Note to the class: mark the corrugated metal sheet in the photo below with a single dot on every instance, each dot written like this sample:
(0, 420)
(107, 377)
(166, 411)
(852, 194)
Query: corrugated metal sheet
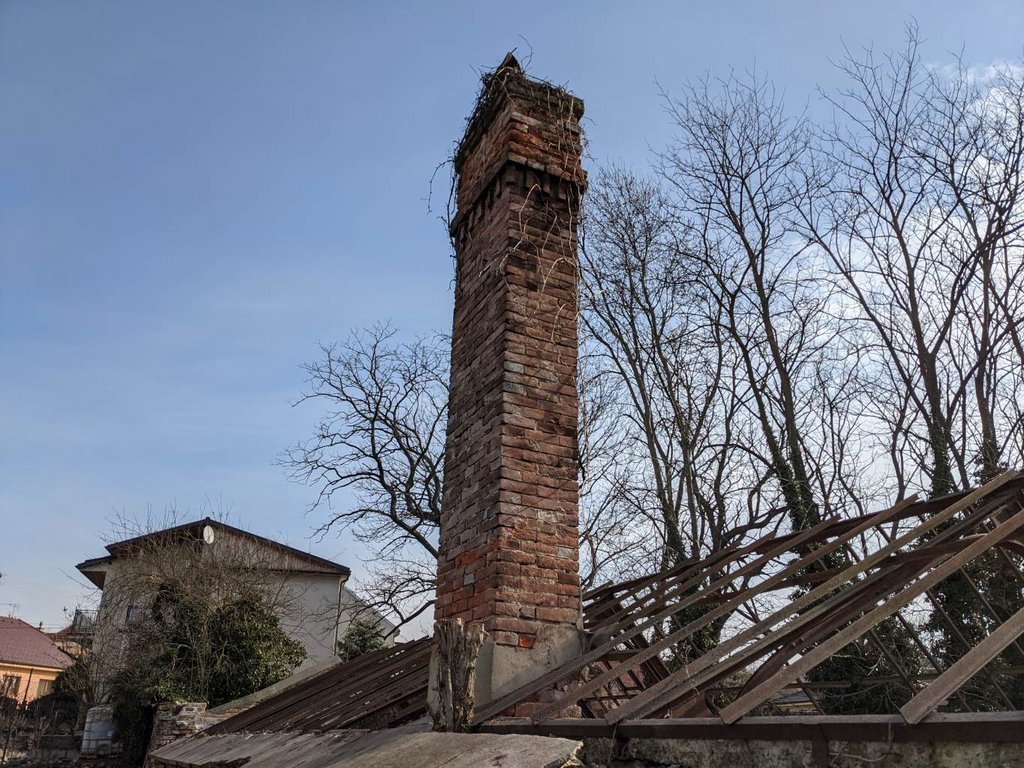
(377, 690)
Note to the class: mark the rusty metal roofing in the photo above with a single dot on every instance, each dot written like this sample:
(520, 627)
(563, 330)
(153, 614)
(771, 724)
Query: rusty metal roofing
(376, 690)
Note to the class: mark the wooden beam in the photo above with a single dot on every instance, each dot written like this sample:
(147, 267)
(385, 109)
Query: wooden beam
(567, 670)
(840, 640)
(651, 700)
(915, 710)
(587, 687)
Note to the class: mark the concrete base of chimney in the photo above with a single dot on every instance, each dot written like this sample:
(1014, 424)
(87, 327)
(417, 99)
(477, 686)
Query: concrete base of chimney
(501, 669)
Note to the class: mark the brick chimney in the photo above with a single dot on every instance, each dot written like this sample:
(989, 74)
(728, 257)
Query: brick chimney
(509, 543)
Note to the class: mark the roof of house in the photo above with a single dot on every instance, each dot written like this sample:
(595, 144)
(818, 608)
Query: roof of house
(21, 643)
(194, 530)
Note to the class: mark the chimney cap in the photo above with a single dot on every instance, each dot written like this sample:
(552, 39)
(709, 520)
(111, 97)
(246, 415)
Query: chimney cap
(509, 81)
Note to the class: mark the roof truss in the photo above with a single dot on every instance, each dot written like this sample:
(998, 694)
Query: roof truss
(792, 603)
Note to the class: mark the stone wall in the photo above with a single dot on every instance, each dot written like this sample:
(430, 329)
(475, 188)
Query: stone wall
(680, 753)
(178, 720)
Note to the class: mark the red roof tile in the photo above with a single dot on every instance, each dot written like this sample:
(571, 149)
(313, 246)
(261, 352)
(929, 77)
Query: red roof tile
(21, 643)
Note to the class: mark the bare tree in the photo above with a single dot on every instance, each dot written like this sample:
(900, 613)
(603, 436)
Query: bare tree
(737, 169)
(377, 456)
(613, 545)
(381, 445)
(974, 142)
(917, 208)
(644, 316)
(787, 322)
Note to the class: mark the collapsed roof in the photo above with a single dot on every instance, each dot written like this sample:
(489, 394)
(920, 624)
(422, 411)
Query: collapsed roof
(789, 603)
(792, 603)
(382, 689)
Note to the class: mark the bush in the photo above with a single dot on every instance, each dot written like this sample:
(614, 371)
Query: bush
(362, 636)
(196, 649)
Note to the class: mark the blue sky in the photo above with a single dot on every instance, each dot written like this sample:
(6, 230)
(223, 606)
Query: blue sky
(194, 194)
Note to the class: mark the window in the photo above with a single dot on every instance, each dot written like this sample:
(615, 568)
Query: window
(135, 615)
(10, 685)
(44, 688)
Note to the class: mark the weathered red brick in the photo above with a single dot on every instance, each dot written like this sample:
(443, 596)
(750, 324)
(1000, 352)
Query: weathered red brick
(510, 522)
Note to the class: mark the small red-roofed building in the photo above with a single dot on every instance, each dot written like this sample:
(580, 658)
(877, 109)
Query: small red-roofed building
(30, 662)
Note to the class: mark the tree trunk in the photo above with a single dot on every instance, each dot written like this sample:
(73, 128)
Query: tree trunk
(455, 651)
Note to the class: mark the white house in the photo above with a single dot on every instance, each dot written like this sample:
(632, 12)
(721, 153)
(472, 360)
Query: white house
(311, 599)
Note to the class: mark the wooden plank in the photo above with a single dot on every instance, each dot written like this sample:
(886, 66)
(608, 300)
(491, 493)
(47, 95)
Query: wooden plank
(676, 583)
(631, 630)
(832, 614)
(841, 639)
(915, 710)
(392, 670)
(317, 707)
(694, 675)
(920, 509)
(845, 607)
(968, 727)
(341, 709)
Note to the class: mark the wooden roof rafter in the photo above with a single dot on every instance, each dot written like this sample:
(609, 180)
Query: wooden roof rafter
(916, 546)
